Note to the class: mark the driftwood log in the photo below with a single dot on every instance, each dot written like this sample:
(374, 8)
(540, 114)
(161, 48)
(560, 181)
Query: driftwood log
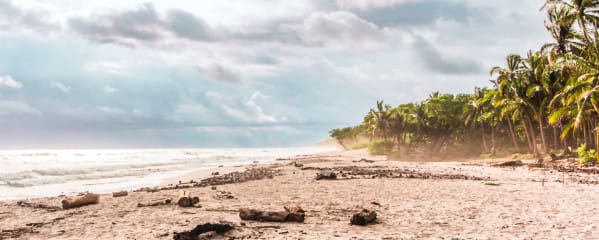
(186, 200)
(515, 163)
(120, 194)
(194, 234)
(263, 216)
(37, 206)
(363, 218)
(292, 213)
(326, 175)
(74, 202)
(155, 203)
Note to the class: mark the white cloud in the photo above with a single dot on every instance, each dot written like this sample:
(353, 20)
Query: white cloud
(248, 111)
(257, 110)
(338, 29)
(61, 87)
(109, 89)
(110, 110)
(8, 81)
(107, 67)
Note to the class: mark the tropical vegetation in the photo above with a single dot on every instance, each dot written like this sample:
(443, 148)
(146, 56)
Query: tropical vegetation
(545, 102)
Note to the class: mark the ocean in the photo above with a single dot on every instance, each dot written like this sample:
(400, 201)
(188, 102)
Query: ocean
(42, 173)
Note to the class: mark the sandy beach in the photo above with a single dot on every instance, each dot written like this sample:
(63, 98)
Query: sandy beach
(413, 200)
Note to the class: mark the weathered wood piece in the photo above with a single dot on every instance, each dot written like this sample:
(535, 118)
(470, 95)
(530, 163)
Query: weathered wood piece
(292, 213)
(515, 163)
(263, 216)
(363, 218)
(224, 195)
(326, 175)
(194, 234)
(155, 203)
(120, 194)
(75, 202)
(296, 213)
(37, 206)
(186, 200)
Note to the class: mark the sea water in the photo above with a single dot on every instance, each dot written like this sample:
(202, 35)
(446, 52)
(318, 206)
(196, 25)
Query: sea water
(41, 173)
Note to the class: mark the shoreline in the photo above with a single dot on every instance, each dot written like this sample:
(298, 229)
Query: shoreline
(108, 170)
(413, 200)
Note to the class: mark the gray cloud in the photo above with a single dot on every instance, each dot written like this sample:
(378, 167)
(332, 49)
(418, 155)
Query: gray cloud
(15, 17)
(417, 13)
(431, 59)
(145, 24)
(187, 25)
(368, 4)
(218, 72)
(141, 25)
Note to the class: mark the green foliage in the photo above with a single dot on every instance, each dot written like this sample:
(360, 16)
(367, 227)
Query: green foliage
(359, 145)
(586, 156)
(381, 147)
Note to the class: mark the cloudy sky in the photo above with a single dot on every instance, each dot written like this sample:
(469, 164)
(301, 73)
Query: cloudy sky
(113, 73)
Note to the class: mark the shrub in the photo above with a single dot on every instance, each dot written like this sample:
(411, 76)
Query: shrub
(359, 145)
(381, 147)
(586, 156)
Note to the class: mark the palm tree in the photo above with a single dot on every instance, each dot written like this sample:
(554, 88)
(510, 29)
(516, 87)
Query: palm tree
(380, 118)
(584, 11)
(512, 94)
(475, 113)
(560, 25)
(538, 90)
(397, 125)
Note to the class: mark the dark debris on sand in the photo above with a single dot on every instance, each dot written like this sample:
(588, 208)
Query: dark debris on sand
(251, 174)
(353, 172)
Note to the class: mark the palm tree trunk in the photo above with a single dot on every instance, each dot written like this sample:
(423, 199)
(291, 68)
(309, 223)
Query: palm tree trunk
(482, 130)
(596, 144)
(493, 148)
(528, 137)
(584, 134)
(556, 145)
(542, 132)
(533, 136)
(342, 145)
(510, 125)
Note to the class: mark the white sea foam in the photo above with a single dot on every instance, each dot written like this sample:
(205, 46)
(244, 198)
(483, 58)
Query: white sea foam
(37, 173)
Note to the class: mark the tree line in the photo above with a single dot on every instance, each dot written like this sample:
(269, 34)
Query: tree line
(544, 102)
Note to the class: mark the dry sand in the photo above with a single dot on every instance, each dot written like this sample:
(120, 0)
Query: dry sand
(424, 203)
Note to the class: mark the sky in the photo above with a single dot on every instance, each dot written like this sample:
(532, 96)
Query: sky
(237, 73)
